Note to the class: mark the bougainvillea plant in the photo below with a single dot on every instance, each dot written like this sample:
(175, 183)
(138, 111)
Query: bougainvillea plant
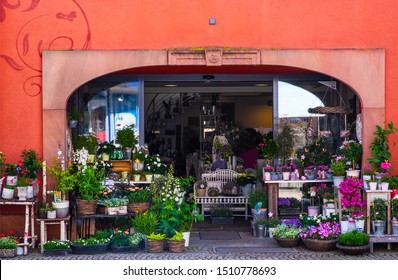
(351, 198)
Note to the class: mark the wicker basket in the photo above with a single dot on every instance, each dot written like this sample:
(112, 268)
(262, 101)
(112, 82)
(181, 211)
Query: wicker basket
(287, 242)
(329, 110)
(155, 246)
(137, 207)
(176, 246)
(320, 245)
(86, 207)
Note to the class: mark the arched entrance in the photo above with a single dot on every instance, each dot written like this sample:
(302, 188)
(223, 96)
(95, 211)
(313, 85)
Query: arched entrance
(63, 72)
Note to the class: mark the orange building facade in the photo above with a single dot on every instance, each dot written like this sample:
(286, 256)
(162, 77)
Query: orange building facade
(49, 48)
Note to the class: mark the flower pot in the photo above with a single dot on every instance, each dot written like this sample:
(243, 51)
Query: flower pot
(22, 193)
(313, 210)
(394, 226)
(337, 180)
(62, 208)
(117, 210)
(90, 158)
(105, 157)
(135, 207)
(378, 227)
(260, 230)
(353, 250)
(271, 232)
(287, 242)
(12, 180)
(138, 165)
(353, 173)
(274, 177)
(176, 246)
(320, 245)
(29, 194)
(155, 246)
(127, 153)
(86, 207)
(42, 213)
(344, 226)
(201, 192)
(186, 235)
(267, 176)
(286, 176)
(310, 176)
(51, 214)
(384, 186)
(7, 193)
(360, 225)
(351, 226)
(372, 186)
(365, 179)
(8, 253)
(329, 176)
(137, 177)
(149, 177)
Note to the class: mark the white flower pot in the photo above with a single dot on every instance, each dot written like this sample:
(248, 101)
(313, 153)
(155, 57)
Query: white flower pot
(313, 210)
(344, 226)
(186, 235)
(7, 193)
(365, 179)
(12, 180)
(360, 225)
(384, 186)
(62, 208)
(149, 177)
(372, 186)
(22, 193)
(30, 192)
(271, 232)
(286, 176)
(337, 180)
(267, 176)
(51, 214)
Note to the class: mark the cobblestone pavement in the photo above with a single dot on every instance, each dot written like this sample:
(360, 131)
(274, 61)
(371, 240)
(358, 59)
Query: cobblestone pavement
(246, 248)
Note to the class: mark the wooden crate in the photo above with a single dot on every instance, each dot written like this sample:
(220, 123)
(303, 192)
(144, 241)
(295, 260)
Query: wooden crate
(122, 165)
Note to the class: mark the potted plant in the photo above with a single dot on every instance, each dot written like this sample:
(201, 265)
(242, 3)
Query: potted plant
(88, 141)
(176, 243)
(322, 237)
(188, 213)
(271, 224)
(127, 139)
(351, 197)
(352, 151)
(145, 222)
(286, 235)
(267, 170)
(288, 205)
(139, 200)
(12, 171)
(285, 141)
(31, 163)
(8, 192)
(384, 182)
(90, 245)
(51, 212)
(258, 201)
(309, 172)
(73, 118)
(154, 164)
(353, 242)
(286, 169)
(124, 242)
(268, 148)
(221, 215)
(56, 247)
(156, 242)
(114, 205)
(139, 157)
(338, 168)
(22, 186)
(260, 226)
(8, 247)
(200, 188)
(367, 174)
(42, 214)
(105, 150)
(378, 215)
(394, 216)
(246, 181)
(372, 183)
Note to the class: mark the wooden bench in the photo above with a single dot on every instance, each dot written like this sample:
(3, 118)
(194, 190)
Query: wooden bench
(382, 239)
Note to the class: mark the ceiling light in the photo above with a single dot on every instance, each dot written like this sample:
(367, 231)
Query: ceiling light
(261, 85)
(170, 85)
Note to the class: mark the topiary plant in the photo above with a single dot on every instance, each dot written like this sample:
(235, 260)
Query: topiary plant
(354, 238)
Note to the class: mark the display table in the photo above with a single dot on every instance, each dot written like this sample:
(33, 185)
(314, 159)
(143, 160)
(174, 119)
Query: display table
(273, 192)
(369, 197)
(29, 221)
(207, 201)
(62, 222)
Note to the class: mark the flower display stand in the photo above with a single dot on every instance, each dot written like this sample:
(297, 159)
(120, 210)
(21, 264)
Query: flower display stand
(44, 223)
(370, 195)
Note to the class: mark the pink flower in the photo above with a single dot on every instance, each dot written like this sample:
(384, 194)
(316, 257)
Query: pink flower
(270, 214)
(385, 165)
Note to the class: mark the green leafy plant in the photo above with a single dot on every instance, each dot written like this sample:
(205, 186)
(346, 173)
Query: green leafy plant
(221, 212)
(285, 140)
(286, 231)
(338, 167)
(261, 221)
(378, 209)
(177, 237)
(89, 141)
(106, 147)
(67, 179)
(268, 147)
(57, 245)
(141, 195)
(121, 239)
(157, 236)
(126, 136)
(74, 115)
(23, 182)
(272, 222)
(11, 169)
(90, 183)
(8, 243)
(90, 241)
(394, 208)
(353, 238)
(189, 212)
(103, 234)
(114, 201)
(145, 223)
(32, 163)
(258, 196)
(352, 151)
(246, 178)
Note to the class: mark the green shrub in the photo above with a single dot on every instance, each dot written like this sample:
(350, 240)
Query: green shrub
(285, 231)
(56, 244)
(145, 223)
(103, 234)
(354, 238)
(140, 196)
(258, 196)
(157, 236)
(8, 243)
(261, 221)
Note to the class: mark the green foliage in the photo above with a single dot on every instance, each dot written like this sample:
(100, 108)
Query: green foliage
(90, 241)
(338, 167)
(272, 222)
(67, 179)
(11, 169)
(113, 202)
(8, 243)
(157, 236)
(126, 137)
(88, 141)
(177, 236)
(315, 152)
(378, 209)
(106, 147)
(56, 244)
(268, 147)
(142, 195)
(354, 238)
(285, 141)
(221, 212)
(103, 234)
(379, 146)
(258, 196)
(394, 208)
(90, 183)
(261, 221)
(246, 178)
(188, 214)
(121, 239)
(32, 163)
(74, 114)
(285, 231)
(145, 223)
(23, 182)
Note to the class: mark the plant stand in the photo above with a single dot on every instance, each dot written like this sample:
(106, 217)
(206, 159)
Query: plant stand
(62, 222)
(370, 195)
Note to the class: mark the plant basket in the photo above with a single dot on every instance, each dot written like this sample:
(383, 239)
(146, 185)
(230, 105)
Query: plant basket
(329, 110)
(137, 207)
(176, 246)
(89, 249)
(8, 253)
(320, 245)
(287, 242)
(56, 252)
(86, 207)
(155, 246)
(353, 250)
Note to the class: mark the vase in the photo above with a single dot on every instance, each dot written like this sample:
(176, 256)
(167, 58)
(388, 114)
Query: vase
(260, 230)
(286, 176)
(149, 177)
(62, 208)
(22, 193)
(7, 193)
(360, 225)
(394, 226)
(384, 186)
(337, 180)
(313, 211)
(378, 227)
(353, 173)
(372, 186)
(267, 176)
(344, 226)
(287, 242)
(365, 179)
(320, 245)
